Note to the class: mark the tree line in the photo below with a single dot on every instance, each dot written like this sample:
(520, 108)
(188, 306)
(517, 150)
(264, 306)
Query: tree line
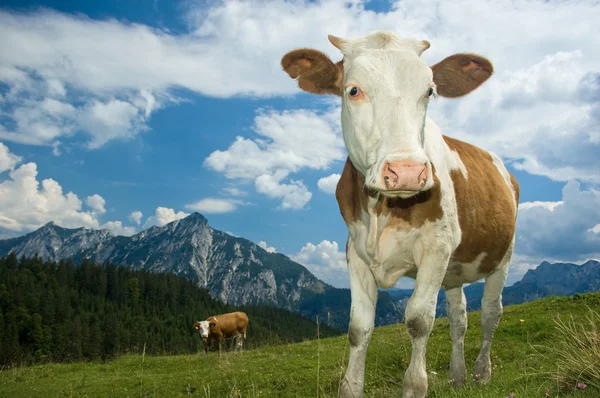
(61, 312)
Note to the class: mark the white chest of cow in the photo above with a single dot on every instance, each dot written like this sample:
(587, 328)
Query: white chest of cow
(394, 249)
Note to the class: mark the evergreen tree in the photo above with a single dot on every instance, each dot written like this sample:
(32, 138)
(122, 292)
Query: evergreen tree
(60, 312)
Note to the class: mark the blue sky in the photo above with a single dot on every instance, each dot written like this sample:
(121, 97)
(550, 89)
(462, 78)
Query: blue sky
(164, 108)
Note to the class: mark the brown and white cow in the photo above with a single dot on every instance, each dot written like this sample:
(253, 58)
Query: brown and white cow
(416, 203)
(218, 327)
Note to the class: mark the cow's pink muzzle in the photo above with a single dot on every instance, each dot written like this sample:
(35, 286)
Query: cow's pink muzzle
(404, 175)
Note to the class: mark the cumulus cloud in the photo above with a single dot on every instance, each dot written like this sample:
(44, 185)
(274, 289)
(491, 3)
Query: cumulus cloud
(136, 217)
(8, 160)
(117, 228)
(214, 205)
(27, 204)
(561, 230)
(325, 261)
(285, 142)
(538, 203)
(24, 205)
(268, 248)
(329, 184)
(164, 215)
(288, 140)
(96, 203)
(294, 195)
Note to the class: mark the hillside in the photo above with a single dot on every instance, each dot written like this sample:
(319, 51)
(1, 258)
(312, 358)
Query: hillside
(58, 312)
(313, 368)
(234, 270)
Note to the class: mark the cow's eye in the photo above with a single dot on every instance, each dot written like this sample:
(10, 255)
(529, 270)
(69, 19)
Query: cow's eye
(430, 92)
(354, 91)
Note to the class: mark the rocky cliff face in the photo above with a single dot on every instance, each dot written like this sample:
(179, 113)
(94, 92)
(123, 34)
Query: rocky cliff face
(233, 269)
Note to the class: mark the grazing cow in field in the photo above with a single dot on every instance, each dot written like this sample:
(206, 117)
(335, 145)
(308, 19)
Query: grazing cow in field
(232, 325)
(416, 203)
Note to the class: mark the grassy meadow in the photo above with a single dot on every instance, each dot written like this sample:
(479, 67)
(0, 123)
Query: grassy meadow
(532, 356)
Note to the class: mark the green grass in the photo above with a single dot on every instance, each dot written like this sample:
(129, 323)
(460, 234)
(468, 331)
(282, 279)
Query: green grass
(314, 368)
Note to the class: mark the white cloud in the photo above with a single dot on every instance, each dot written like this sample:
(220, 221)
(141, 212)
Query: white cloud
(268, 248)
(233, 191)
(214, 205)
(8, 160)
(329, 184)
(286, 142)
(136, 217)
(596, 229)
(294, 195)
(541, 107)
(547, 205)
(325, 261)
(164, 215)
(26, 204)
(560, 231)
(117, 228)
(96, 203)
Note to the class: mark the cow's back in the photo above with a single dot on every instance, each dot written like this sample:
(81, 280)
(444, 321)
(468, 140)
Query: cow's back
(232, 323)
(486, 203)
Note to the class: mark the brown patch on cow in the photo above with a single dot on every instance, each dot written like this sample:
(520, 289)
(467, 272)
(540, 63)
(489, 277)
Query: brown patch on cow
(350, 193)
(352, 197)
(486, 213)
(459, 74)
(315, 71)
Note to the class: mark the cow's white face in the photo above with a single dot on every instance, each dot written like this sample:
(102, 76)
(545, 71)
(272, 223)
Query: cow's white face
(385, 92)
(202, 327)
(385, 89)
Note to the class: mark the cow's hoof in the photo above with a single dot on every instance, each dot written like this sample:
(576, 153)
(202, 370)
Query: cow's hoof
(350, 389)
(482, 372)
(457, 379)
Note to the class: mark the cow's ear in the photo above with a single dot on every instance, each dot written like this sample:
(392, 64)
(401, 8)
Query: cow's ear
(459, 74)
(316, 73)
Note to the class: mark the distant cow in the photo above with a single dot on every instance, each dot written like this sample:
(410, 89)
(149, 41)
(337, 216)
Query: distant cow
(232, 325)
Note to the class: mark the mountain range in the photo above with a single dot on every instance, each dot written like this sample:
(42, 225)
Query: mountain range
(233, 269)
(548, 279)
(239, 272)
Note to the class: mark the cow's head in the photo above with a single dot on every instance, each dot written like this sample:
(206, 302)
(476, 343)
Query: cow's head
(202, 327)
(385, 88)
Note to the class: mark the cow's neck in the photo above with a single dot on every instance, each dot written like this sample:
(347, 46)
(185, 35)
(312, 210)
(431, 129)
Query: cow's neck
(377, 212)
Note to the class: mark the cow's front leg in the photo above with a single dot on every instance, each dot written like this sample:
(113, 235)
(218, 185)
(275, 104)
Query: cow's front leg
(362, 320)
(219, 340)
(420, 315)
(456, 308)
